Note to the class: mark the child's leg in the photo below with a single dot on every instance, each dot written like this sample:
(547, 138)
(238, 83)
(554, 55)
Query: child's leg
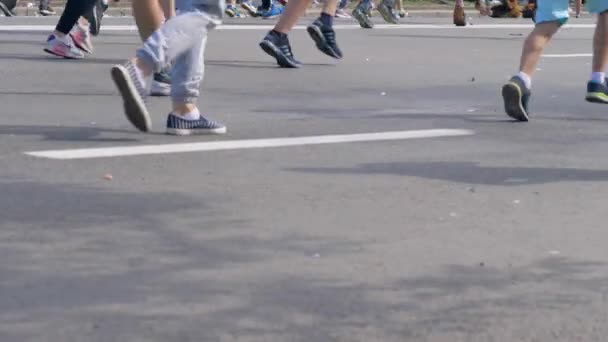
(600, 44)
(187, 75)
(551, 15)
(597, 89)
(179, 40)
(322, 32)
(168, 7)
(329, 7)
(293, 11)
(148, 16)
(516, 93)
(534, 46)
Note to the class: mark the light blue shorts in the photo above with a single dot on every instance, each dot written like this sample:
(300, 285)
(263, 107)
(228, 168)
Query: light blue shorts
(551, 10)
(557, 10)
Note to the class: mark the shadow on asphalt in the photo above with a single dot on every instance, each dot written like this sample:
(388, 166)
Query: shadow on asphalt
(43, 57)
(470, 173)
(58, 133)
(257, 64)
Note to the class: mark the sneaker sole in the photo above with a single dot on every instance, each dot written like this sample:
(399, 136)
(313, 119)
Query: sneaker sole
(134, 106)
(5, 10)
(596, 98)
(512, 95)
(62, 56)
(363, 22)
(387, 14)
(185, 132)
(273, 51)
(316, 35)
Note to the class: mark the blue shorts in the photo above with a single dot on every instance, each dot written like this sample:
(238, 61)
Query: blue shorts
(557, 10)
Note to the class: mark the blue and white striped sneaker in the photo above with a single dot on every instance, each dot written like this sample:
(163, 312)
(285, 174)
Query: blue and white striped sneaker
(179, 126)
(133, 91)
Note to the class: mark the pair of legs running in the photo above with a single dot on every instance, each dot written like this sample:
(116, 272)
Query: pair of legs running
(276, 42)
(178, 43)
(550, 16)
(81, 17)
(72, 35)
(385, 7)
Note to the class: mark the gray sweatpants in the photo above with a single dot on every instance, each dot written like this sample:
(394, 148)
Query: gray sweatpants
(180, 42)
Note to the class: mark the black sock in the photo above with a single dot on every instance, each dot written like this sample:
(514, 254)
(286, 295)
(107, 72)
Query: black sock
(282, 36)
(327, 20)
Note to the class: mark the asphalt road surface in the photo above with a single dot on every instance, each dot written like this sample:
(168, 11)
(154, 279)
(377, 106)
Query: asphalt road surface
(462, 226)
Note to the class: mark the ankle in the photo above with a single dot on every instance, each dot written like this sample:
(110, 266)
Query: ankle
(327, 19)
(183, 109)
(145, 69)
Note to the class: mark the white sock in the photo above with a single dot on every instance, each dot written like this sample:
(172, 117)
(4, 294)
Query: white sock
(524, 77)
(193, 115)
(598, 77)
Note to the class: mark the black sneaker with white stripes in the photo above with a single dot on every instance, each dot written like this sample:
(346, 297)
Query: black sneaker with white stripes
(279, 48)
(325, 38)
(179, 126)
(133, 91)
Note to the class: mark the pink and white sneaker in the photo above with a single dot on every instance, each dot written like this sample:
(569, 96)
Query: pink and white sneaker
(82, 38)
(62, 47)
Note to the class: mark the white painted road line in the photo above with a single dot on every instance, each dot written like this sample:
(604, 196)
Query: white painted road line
(568, 55)
(48, 28)
(105, 152)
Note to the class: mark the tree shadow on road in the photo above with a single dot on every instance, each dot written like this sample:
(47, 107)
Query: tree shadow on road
(514, 37)
(88, 264)
(470, 173)
(59, 133)
(51, 59)
(91, 264)
(59, 93)
(255, 64)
